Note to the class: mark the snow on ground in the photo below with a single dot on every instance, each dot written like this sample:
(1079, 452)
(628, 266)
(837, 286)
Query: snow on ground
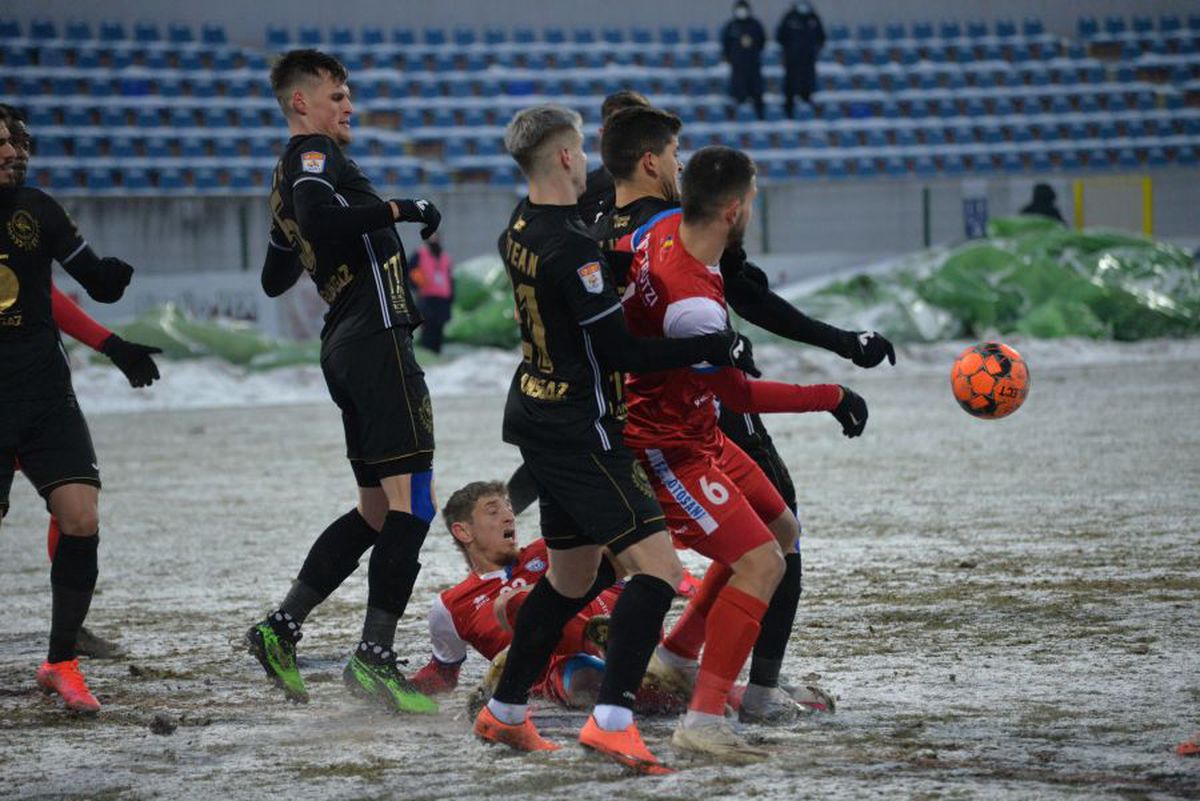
(1005, 609)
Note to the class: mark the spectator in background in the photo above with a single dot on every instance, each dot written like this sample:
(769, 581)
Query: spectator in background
(432, 279)
(1043, 203)
(742, 42)
(801, 35)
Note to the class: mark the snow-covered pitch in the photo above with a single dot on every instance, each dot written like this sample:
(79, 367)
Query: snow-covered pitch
(1005, 609)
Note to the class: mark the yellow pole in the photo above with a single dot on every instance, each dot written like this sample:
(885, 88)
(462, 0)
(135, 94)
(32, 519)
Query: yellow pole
(1078, 187)
(1147, 206)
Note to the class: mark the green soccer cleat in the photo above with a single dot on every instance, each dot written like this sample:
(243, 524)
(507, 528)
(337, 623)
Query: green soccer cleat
(277, 655)
(371, 674)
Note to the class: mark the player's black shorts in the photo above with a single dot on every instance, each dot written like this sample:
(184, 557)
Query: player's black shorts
(386, 410)
(593, 498)
(748, 433)
(50, 438)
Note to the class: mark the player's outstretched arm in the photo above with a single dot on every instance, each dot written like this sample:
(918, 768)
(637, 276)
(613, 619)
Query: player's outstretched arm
(618, 349)
(747, 291)
(131, 358)
(739, 394)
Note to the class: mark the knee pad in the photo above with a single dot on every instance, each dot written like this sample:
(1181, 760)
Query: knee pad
(423, 506)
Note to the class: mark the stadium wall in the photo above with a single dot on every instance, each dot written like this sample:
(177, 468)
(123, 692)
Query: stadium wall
(247, 22)
(858, 220)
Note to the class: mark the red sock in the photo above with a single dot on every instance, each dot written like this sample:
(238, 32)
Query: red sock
(687, 635)
(732, 629)
(52, 537)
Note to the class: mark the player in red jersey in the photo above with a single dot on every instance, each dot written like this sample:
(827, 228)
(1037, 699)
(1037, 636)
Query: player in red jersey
(478, 612)
(717, 500)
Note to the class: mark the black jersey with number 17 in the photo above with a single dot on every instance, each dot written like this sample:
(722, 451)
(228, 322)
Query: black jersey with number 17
(561, 396)
(363, 277)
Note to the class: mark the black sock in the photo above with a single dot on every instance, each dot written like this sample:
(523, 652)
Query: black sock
(72, 581)
(771, 645)
(537, 630)
(606, 576)
(331, 560)
(522, 489)
(392, 571)
(634, 630)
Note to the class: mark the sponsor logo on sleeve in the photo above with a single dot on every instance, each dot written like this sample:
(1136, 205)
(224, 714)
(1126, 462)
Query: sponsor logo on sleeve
(312, 161)
(592, 277)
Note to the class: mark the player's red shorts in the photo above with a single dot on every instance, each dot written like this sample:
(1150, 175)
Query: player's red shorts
(717, 505)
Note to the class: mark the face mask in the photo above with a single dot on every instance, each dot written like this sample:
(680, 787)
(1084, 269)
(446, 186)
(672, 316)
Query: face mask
(741, 12)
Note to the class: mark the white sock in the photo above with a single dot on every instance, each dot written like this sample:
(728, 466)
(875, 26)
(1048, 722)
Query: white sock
(512, 714)
(757, 696)
(675, 660)
(612, 718)
(694, 719)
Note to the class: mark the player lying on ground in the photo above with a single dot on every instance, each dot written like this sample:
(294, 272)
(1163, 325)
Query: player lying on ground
(42, 425)
(479, 611)
(132, 359)
(564, 412)
(717, 500)
(329, 221)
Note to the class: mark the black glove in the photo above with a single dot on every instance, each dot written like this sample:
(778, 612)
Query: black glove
(421, 211)
(731, 349)
(851, 413)
(132, 359)
(866, 348)
(107, 284)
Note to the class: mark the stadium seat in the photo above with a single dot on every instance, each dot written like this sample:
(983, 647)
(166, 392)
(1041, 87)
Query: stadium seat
(135, 179)
(554, 36)
(42, 30)
(1069, 160)
(977, 29)
(1088, 28)
(434, 37)
(1032, 26)
(99, 179)
(1187, 156)
(178, 33)
(206, 179)
(213, 33)
(403, 37)
(669, 36)
(113, 116)
(63, 178)
(10, 29)
(1006, 28)
(309, 36)
(112, 31)
(146, 32)
(171, 179)
(78, 31)
(157, 147)
(1114, 25)
(278, 37)
(698, 35)
(494, 36)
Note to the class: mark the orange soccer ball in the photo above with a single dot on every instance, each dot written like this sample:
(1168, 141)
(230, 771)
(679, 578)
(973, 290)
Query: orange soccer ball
(990, 380)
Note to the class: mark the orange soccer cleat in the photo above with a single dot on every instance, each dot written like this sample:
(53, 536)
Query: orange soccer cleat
(625, 747)
(522, 736)
(65, 679)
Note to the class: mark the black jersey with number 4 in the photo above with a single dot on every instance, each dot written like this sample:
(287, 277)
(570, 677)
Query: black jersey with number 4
(561, 396)
(362, 275)
(34, 231)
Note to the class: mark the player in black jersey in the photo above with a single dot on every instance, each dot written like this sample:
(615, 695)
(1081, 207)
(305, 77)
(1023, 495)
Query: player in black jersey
(329, 221)
(565, 413)
(597, 196)
(640, 151)
(41, 425)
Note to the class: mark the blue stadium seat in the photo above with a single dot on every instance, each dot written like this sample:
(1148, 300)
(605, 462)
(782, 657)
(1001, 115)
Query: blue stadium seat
(190, 61)
(867, 32)
(146, 32)
(341, 35)
(213, 33)
(895, 166)
(977, 29)
(641, 36)
(309, 36)
(837, 168)
(193, 147)
(524, 36)
(669, 36)
(1187, 155)
(554, 36)
(1040, 161)
(894, 31)
(1069, 160)
(113, 116)
(50, 146)
(935, 136)
(404, 37)
(1157, 157)
(865, 166)
(227, 148)
(922, 30)
(1114, 25)
(17, 57)
(112, 31)
(370, 35)
(182, 117)
(100, 87)
(839, 33)
(10, 29)
(1098, 159)
(434, 37)
(950, 29)
(1032, 26)
(1088, 28)
(465, 37)
(698, 35)
(135, 179)
(77, 117)
(494, 36)
(31, 86)
(206, 179)
(42, 29)
(87, 147)
(121, 147)
(99, 179)
(1143, 24)
(178, 33)
(171, 179)
(1127, 158)
(63, 178)
(78, 31)
(262, 146)
(1006, 28)
(807, 168)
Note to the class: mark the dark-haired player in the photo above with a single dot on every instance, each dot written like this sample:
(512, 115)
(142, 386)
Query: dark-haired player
(329, 221)
(640, 150)
(717, 500)
(133, 359)
(42, 425)
(564, 411)
(597, 197)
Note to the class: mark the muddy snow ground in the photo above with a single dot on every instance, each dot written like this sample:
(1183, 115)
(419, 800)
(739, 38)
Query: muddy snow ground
(1004, 609)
